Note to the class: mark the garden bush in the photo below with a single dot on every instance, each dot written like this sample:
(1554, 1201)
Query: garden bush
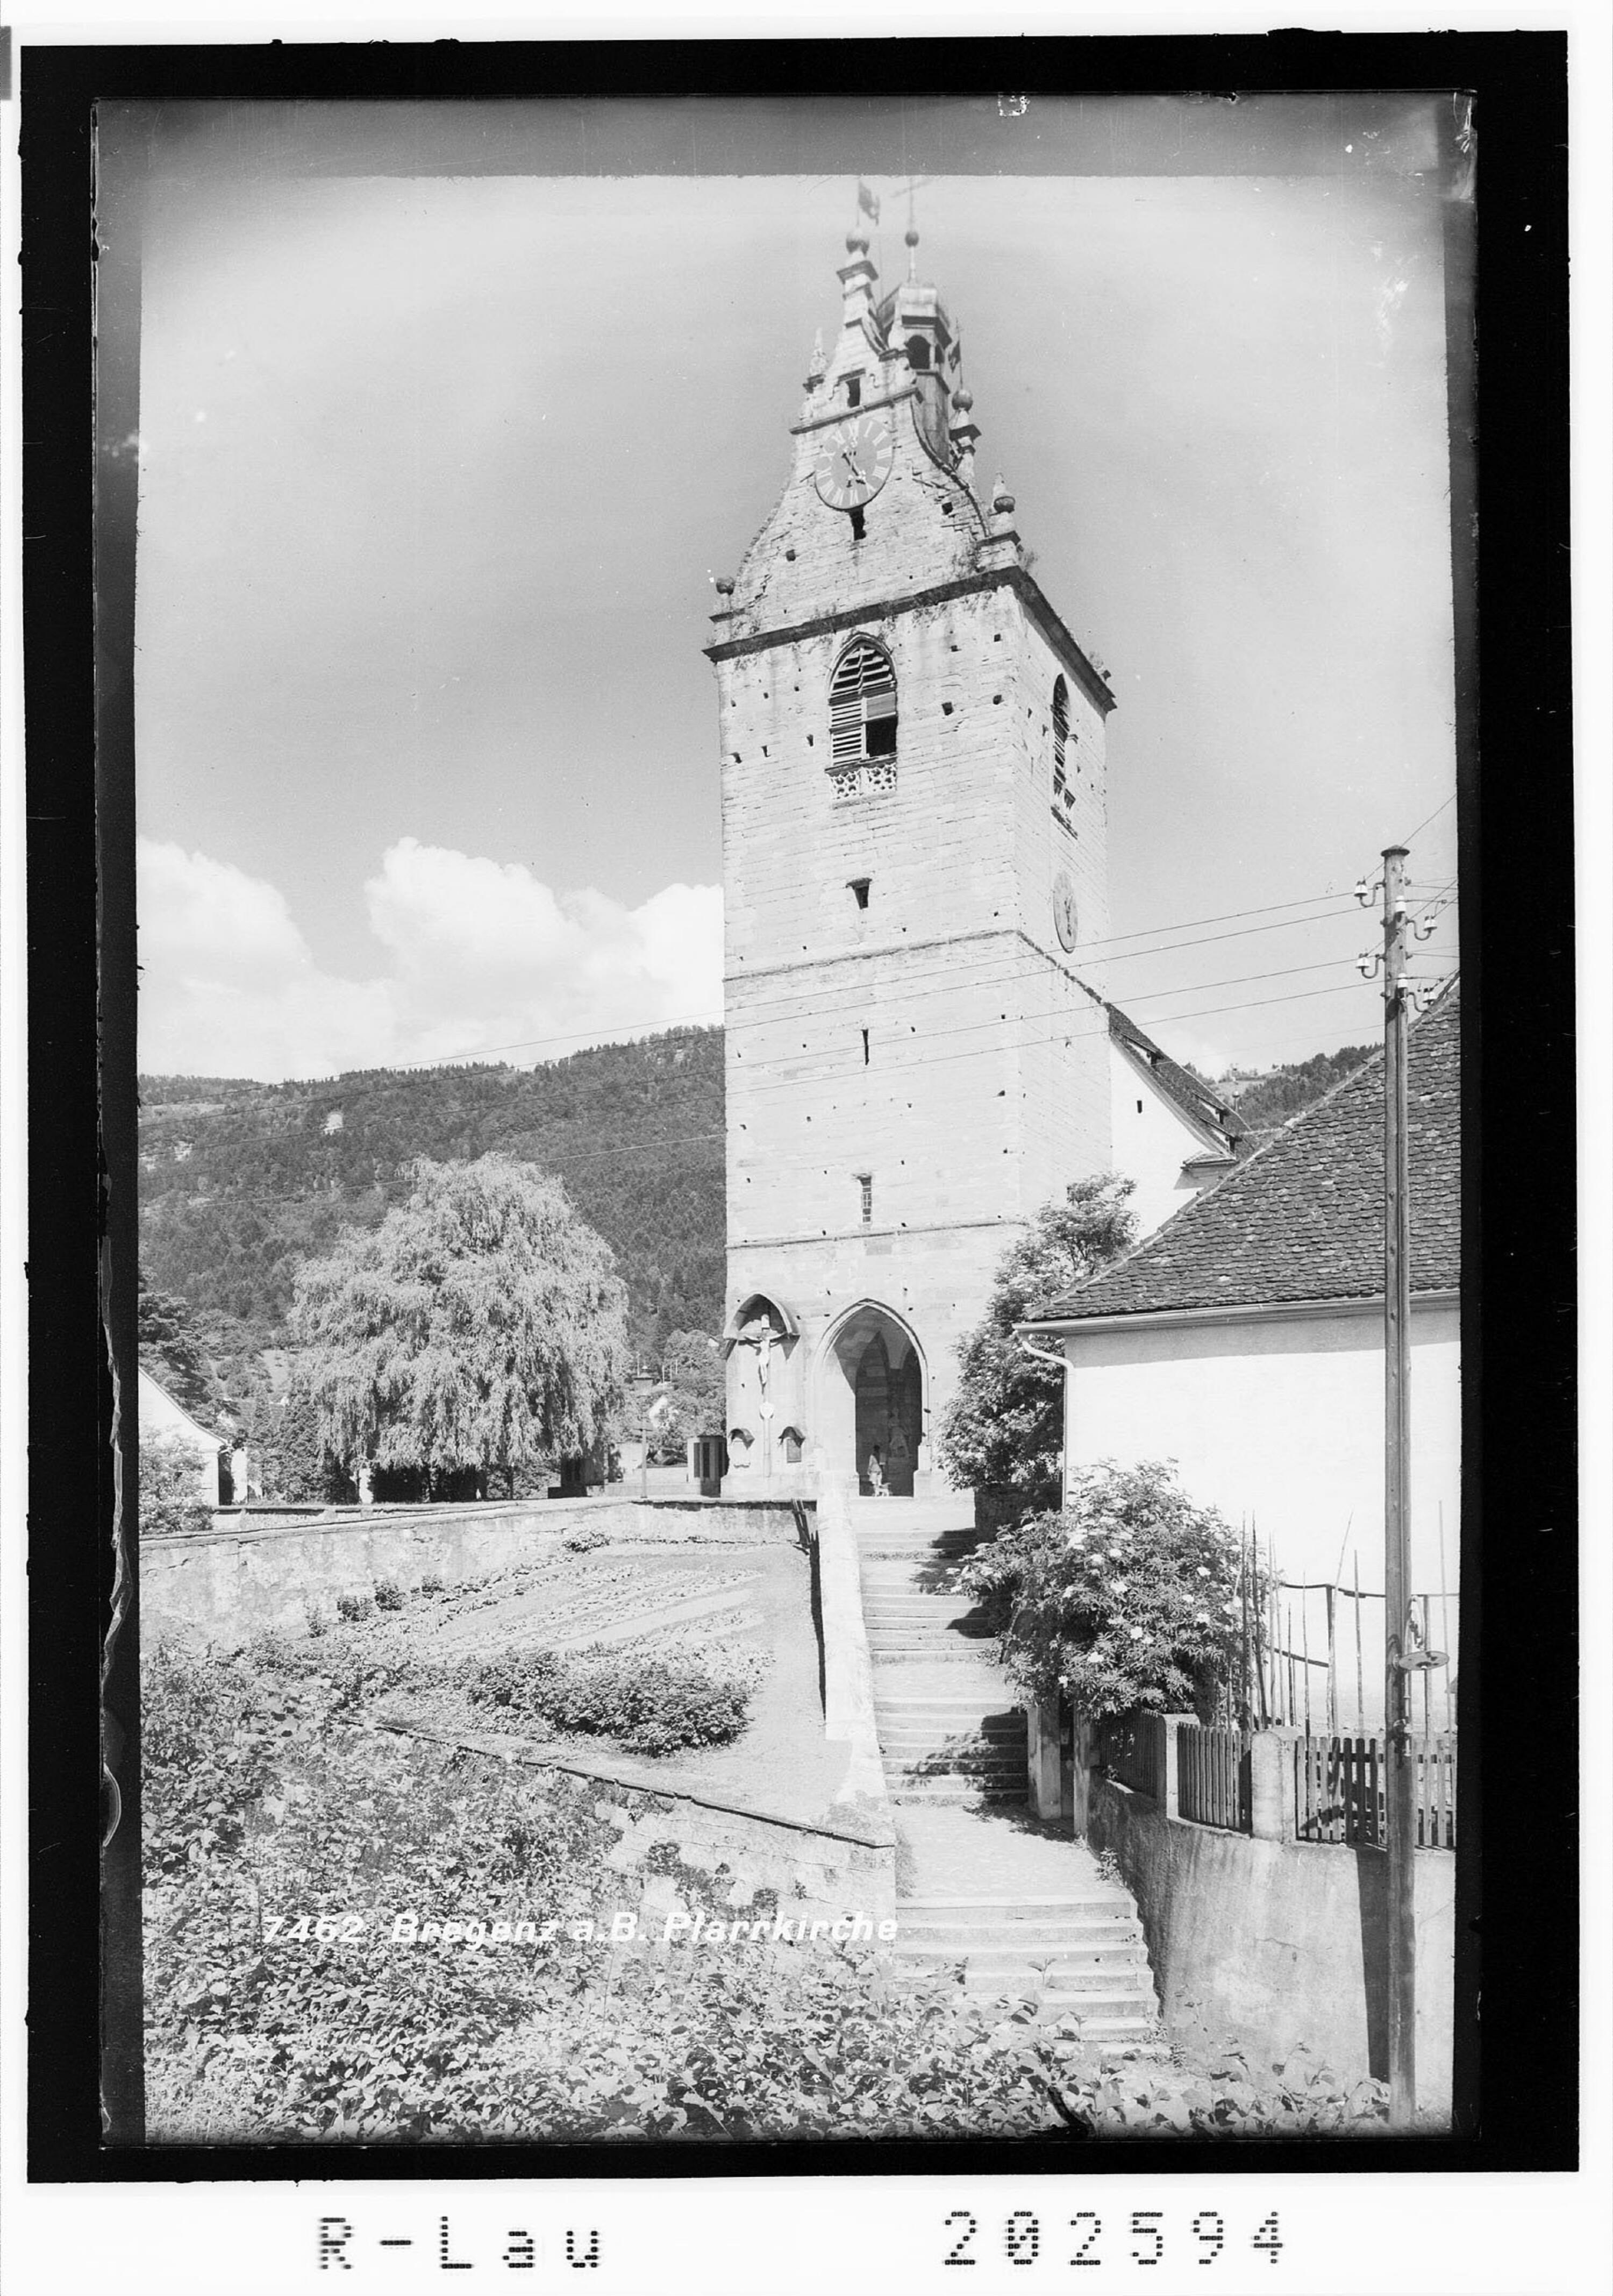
(654, 1704)
(388, 1594)
(1127, 1599)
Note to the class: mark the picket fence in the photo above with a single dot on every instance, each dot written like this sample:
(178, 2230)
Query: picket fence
(1334, 1792)
(1340, 1789)
(1212, 1784)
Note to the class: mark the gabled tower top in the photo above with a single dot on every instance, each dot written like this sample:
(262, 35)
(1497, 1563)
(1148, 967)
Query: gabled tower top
(905, 339)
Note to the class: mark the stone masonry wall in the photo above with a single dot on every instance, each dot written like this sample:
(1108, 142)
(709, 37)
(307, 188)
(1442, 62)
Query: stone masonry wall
(246, 1577)
(689, 1862)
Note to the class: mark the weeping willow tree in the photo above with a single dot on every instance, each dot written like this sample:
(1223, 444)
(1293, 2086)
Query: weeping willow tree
(482, 1325)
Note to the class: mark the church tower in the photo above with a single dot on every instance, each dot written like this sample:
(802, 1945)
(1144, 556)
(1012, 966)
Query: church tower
(914, 850)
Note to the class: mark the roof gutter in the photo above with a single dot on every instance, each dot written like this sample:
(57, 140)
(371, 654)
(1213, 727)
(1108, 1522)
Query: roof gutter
(1284, 1311)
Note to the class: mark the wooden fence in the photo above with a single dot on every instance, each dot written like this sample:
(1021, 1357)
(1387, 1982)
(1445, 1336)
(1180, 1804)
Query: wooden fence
(1339, 1786)
(1213, 1781)
(1133, 1750)
(1317, 1790)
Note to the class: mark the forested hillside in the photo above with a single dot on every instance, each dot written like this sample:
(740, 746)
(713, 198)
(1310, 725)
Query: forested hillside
(1271, 1098)
(240, 1180)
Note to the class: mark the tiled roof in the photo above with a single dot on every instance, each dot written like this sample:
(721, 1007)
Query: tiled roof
(1301, 1217)
(1194, 1099)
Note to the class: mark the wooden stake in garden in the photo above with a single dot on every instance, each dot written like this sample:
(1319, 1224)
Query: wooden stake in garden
(1305, 1645)
(1245, 1564)
(1288, 1652)
(1360, 1692)
(1332, 1666)
(1444, 1615)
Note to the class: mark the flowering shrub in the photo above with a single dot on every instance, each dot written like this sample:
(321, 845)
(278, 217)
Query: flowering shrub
(654, 1704)
(1127, 1598)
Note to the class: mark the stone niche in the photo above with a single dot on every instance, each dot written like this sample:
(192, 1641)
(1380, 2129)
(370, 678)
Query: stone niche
(768, 1411)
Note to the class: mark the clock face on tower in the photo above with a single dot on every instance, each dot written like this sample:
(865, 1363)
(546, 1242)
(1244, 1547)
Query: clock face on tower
(1064, 910)
(854, 461)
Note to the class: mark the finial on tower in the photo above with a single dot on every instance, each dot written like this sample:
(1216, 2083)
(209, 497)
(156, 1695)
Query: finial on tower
(910, 238)
(965, 430)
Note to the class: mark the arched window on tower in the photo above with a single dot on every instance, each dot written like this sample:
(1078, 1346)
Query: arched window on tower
(862, 706)
(918, 354)
(1064, 795)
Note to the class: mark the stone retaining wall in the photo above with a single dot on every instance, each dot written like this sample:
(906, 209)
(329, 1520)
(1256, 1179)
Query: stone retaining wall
(848, 1709)
(259, 1572)
(1279, 1942)
(684, 1853)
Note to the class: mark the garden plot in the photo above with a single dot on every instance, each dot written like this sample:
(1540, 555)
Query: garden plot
(581, 1602)
(744, 1618)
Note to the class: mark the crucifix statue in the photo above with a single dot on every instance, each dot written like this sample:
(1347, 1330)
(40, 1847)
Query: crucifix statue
(758, 1334)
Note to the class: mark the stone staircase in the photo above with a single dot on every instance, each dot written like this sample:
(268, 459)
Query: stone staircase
(995, 1900)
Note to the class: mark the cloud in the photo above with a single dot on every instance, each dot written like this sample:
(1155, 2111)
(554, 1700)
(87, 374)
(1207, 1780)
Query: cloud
(486, 961)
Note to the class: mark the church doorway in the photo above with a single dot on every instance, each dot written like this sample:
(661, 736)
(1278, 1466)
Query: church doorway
(873, 1403)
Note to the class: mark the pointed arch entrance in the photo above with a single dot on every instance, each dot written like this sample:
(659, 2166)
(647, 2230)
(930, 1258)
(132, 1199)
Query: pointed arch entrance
(873, 1401)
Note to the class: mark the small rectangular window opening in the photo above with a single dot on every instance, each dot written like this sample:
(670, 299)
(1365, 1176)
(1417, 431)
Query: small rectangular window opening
(865, 1182)
(859, 886)
(854, 391)
(864, 1048)
(858, 527)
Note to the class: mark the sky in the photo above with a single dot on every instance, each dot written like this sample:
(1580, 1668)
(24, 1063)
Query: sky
(435, 472)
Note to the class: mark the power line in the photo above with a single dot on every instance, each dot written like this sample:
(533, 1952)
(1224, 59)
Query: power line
(565, 1164)
(1081, 1024)
(1423, 824)
(945, 970)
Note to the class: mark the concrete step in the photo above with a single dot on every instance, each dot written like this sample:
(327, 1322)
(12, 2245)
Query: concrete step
(906, 1746)
(907, 1651)
(1120, 1970)
(1114, 2014)
(922, 1602)
(941, 1621)
(1122, 2027)
(915, 1633)
(1106, 1997)
(928, 1769)
(1086, 1904)
(953, 1792)
(978, 1759)
(1077, 1932)
(999, 1704)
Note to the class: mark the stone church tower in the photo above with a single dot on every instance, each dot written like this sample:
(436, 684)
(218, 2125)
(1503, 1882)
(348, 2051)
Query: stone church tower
(913, 842)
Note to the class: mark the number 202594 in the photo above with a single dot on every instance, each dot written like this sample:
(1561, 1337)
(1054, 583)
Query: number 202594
(1137, 2237)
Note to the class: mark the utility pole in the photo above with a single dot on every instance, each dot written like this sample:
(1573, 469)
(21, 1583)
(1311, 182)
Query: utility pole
(1399, 1755)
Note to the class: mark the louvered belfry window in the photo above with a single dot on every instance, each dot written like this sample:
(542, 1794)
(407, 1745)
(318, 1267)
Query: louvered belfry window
(1061, 732)
(862, 706)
